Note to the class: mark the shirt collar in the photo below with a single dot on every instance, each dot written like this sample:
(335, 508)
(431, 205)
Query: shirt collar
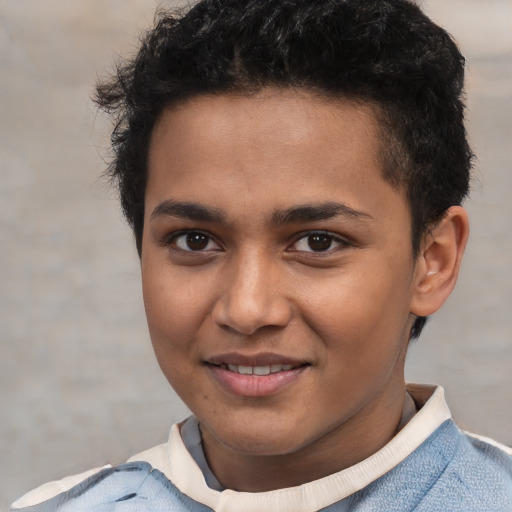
(187, 476)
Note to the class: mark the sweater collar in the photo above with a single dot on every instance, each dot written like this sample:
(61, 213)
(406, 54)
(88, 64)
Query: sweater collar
(188, 477)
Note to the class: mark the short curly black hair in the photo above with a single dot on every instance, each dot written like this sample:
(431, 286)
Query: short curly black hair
(384, 52)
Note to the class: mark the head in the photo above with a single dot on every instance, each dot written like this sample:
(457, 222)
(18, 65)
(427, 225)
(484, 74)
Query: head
(387, 54)
(292, 172)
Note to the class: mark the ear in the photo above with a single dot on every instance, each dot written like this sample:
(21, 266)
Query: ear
(438, 263)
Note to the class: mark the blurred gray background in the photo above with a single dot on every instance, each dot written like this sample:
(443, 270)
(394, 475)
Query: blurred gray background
(79, 385)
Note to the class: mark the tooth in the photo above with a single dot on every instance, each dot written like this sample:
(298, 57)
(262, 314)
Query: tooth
(261, 370)
(276, 368)
(233, 368)
(287, 367)
(245, 370)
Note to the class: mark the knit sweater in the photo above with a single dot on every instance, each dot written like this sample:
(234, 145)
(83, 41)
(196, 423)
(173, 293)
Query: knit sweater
(429, 466)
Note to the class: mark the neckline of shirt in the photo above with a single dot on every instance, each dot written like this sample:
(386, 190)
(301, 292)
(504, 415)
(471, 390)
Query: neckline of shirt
(188, 477)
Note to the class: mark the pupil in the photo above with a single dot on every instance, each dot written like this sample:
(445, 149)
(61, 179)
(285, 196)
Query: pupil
(319, 242)
(197, 241)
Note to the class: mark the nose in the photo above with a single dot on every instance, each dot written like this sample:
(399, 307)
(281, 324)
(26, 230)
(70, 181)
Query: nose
(252, 296)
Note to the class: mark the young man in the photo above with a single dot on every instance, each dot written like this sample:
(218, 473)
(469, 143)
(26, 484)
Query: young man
(293, 172)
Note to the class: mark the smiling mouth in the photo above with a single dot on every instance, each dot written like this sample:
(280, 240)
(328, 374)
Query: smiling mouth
(258, 371)
(257, 375)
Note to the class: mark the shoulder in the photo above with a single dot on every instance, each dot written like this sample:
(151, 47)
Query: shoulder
(477, 474)
(488, 444)
(52, 489)
(136, 485)
(485, 458)
(488, 462)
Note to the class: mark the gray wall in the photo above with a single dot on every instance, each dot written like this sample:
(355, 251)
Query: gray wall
(78, 382)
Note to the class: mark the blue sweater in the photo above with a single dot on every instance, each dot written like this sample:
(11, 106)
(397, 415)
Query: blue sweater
(449, 472)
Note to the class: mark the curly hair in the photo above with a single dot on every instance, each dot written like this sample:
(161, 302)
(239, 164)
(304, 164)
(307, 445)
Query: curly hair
(385, 52)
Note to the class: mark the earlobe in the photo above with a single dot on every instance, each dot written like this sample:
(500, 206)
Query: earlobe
(438, 263)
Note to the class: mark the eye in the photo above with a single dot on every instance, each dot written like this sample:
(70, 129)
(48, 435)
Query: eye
(319, 242)
(194, 241)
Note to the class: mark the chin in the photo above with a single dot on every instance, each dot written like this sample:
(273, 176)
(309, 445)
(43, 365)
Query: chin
(260, 439)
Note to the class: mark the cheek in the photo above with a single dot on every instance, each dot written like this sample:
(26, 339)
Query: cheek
(357, 309)
(172, 311)
(174, 307)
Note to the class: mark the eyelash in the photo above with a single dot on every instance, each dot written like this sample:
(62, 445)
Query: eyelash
(331, 238)
(334, 239)
(171, 240)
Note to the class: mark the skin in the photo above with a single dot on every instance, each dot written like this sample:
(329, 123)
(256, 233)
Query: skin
(251, 282)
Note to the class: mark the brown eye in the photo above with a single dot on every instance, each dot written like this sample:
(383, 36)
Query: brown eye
(194, 241)
(319, 242)
(197, 241)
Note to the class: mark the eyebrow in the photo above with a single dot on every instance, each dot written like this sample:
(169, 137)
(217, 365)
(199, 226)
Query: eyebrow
(302, 213)
(189, 211)
(316, 212)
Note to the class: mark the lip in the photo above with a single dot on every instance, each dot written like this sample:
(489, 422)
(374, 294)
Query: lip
(254, 386)
(262, 359)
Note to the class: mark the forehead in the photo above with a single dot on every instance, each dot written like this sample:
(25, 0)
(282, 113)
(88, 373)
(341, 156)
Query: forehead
(272, 149)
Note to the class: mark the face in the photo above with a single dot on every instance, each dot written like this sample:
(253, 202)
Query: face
(277, 268)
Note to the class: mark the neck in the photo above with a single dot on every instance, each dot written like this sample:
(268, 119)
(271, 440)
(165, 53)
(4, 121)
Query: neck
(347, 444)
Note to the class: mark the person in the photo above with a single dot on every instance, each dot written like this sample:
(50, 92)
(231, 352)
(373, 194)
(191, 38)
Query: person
(293, 173)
